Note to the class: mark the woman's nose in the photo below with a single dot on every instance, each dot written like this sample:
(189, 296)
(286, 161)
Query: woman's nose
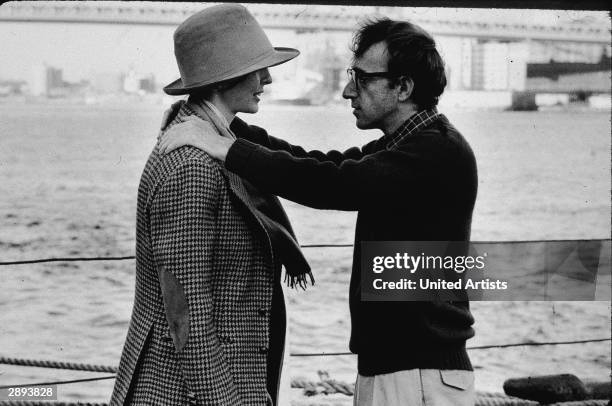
(265, 78)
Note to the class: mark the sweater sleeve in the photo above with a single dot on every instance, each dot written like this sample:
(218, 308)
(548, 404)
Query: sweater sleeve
(259, 136)
(344, 183)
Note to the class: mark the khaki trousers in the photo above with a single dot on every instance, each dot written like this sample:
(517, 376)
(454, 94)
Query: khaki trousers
(416, 387)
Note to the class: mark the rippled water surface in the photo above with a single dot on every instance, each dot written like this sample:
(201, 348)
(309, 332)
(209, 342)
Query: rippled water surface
(68, 181)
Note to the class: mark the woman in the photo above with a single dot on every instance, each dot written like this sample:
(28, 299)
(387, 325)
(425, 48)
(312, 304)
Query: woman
(208, 324)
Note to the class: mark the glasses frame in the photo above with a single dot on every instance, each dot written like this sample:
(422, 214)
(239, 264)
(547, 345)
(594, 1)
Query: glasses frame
(355, 75)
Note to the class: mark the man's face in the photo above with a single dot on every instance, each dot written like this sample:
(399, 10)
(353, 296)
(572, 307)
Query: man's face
(374, 103)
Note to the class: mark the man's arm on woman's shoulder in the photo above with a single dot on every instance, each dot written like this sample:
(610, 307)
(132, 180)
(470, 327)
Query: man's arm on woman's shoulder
(259, 136)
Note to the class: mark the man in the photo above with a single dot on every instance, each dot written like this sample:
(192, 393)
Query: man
(208, 322)
(418, 182)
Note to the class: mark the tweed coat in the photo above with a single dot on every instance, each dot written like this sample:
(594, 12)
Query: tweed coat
(205, 269)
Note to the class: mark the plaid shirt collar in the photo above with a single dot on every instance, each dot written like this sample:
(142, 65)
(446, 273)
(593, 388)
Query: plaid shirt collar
(411, 126)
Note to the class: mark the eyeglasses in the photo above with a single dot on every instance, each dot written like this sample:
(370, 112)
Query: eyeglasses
(361, 78)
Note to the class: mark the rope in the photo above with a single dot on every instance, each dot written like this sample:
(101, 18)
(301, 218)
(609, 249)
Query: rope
(536, 344)
(46, 403)
(74, 259)
(57, 365)
(326, 385)
(499, 399)
(100, 378)
(480, 347)
(103, 368)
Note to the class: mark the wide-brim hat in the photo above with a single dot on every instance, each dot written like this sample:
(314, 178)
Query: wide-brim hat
(220, 43)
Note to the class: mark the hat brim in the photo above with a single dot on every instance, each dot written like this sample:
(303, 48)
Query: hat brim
(280, 55)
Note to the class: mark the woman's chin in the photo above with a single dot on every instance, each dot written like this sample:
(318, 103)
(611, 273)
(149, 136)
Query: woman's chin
(251, 109)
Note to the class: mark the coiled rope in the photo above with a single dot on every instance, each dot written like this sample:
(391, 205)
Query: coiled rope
(326, 385)
(589, 402)
(329, 386)
(499, 399)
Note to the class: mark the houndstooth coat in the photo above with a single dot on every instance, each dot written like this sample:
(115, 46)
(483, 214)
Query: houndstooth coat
(199, 332)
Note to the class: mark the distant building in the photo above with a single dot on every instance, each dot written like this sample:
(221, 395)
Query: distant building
(12, 87)
(54, 78)
(106, 82)
(134, 82)
(147, 84)
(45, 79)
(38, 80)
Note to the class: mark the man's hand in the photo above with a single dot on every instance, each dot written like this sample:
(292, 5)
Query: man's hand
(197, 133)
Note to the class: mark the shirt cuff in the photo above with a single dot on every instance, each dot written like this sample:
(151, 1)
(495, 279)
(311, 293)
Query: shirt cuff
(239, 154)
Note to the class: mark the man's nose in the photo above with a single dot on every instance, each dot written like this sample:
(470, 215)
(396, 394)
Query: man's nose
(349, 92)
(265, 77)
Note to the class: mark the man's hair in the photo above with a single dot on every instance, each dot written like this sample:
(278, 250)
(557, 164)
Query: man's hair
(412, 53)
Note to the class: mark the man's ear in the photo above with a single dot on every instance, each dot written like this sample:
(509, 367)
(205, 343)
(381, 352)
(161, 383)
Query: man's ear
(406, 85)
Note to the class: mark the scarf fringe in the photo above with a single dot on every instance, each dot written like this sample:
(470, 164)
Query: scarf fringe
(293, 281)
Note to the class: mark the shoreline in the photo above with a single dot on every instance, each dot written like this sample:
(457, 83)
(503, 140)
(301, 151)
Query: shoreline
(451, 101)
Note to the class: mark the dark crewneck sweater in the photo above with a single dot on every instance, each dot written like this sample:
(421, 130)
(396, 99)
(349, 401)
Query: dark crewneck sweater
(423, 189)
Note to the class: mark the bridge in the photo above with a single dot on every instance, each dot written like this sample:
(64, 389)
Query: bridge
(292, 17)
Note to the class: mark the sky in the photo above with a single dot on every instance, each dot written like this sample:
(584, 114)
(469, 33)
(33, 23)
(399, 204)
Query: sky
(81, 50)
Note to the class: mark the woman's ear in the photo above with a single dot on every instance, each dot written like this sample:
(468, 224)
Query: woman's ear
(406, 85)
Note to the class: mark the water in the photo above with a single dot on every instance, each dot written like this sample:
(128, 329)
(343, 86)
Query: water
(68, 181)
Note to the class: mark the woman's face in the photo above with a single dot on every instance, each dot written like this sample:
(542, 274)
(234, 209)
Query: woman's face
(243, 97)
